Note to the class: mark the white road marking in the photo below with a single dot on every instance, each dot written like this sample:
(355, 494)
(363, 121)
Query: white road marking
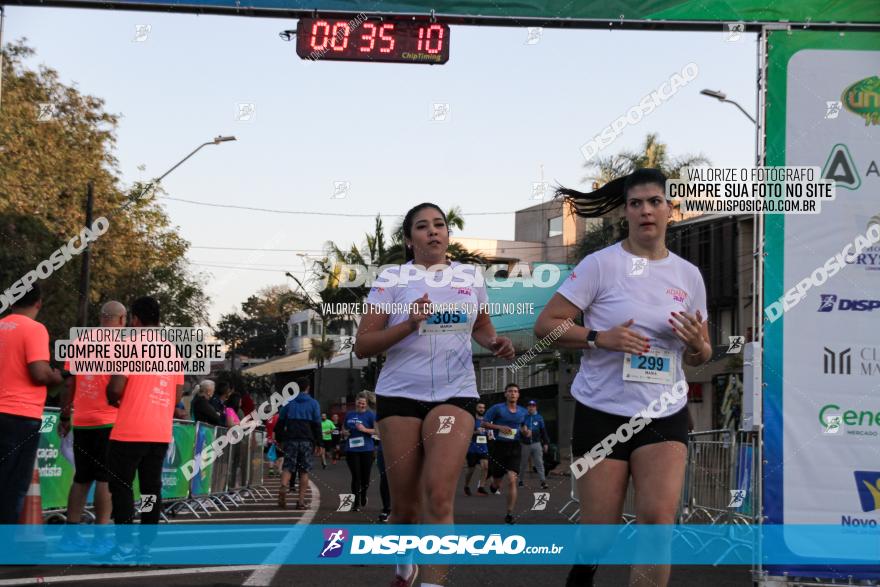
(127, 575)
(266, 573)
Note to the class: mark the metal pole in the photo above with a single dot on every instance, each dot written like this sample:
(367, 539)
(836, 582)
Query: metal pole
(83, 316)
(758, 294)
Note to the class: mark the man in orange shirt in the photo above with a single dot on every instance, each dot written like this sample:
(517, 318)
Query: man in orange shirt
(139, 441)
(93, 419)
(24, 374)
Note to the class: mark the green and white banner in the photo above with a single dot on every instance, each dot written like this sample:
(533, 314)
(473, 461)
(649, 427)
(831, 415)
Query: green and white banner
(822, 355)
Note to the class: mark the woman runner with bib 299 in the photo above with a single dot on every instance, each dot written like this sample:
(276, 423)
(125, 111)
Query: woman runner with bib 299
(643, 310)
(427, 392)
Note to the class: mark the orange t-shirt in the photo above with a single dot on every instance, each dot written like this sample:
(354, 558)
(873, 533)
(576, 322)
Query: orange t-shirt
(22, 341)
(90, 407)
(146, 412)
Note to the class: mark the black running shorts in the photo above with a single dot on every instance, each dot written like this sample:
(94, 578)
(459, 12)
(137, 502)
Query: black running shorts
(504, 456)
(90, 454)
(402, 406)
(592, 426)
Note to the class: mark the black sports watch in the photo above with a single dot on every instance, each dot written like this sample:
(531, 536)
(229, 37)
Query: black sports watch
(591, 339)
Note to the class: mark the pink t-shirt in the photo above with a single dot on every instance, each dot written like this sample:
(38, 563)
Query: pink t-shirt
(22, 341)
(230, 413)
(146, 413)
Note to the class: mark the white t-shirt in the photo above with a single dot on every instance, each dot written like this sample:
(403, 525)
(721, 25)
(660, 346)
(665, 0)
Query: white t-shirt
(428, 367)
(610, 286)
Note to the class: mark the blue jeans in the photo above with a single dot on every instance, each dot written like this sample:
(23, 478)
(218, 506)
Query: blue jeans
(19, 440)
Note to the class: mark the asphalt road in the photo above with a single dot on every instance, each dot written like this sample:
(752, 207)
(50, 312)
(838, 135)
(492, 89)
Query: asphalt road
(327, 485)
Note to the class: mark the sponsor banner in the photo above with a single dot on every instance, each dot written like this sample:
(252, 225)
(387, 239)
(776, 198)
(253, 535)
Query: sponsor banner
(714, 14)
(822, 402)
(482, 544)
(175, 485)
(201, 481)
(56, 472)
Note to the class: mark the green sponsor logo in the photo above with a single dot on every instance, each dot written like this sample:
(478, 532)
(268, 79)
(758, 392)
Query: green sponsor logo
(863, 422)
(863, 99)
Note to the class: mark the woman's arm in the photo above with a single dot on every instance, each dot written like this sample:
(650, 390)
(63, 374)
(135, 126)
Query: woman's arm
(374, 338)
(557, 318)
(485, 335)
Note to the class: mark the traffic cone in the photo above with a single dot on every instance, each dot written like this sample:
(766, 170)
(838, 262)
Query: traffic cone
(32, 512)
(30, 540)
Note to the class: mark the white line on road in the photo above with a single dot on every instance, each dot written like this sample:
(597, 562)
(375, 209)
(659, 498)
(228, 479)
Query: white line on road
(127, 575)
(265, 574)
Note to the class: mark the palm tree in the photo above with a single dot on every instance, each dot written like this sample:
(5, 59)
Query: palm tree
(653, 153)
(322, 350)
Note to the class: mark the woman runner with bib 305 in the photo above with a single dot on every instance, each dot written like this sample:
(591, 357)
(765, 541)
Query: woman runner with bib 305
(427, 390)
(643, 308)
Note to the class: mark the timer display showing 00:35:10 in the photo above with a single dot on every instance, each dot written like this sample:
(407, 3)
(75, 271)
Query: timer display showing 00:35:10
(393, 41)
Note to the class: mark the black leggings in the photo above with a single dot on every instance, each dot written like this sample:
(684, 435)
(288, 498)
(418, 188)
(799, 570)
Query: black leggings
(360, 464)
(124, 459)
(384, 492)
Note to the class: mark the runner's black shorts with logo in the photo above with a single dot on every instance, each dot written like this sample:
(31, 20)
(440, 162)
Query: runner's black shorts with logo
(592, 426)
(402, 406)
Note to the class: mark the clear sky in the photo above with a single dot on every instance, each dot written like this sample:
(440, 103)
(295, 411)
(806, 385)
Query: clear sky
(512, 107)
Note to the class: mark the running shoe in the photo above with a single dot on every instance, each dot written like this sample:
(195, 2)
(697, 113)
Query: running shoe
(383, 517)
(508, 519)
(494, 490)
(520, 483)
(406, 582)
(467, 490)
(101, 546)
(143, 556)
(121, 556)
(300, 506)
(482, 491)
(544, 485)
(73, 541)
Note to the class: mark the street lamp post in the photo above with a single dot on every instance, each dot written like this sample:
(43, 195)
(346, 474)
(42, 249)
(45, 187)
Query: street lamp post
(722, 97)
(86, 258)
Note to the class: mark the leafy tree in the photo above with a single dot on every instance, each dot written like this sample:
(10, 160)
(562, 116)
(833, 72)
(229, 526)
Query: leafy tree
(603, 169)
(45, 166)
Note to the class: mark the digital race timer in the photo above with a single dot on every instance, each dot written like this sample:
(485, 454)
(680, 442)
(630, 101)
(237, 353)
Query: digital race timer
(372, 40)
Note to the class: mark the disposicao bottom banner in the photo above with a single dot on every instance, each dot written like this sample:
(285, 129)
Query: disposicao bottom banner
(194, 544)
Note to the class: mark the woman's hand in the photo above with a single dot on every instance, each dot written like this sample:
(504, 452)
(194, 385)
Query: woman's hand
(419, 311)
(623, 340)
(689, 329)
(502, 347)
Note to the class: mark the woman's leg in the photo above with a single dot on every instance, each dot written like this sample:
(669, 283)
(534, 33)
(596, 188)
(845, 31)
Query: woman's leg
(601, 493)
(658, 476)
(402, 452)
(384, 492)
(444, 454)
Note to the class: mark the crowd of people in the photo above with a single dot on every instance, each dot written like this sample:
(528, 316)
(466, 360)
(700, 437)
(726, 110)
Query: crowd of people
(425, 420)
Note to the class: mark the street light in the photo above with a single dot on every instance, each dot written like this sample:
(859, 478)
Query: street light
(722, 97)
(86, 258)
(217, 140)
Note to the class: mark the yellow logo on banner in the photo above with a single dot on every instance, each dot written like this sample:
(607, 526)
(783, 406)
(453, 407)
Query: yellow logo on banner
(863, 98)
